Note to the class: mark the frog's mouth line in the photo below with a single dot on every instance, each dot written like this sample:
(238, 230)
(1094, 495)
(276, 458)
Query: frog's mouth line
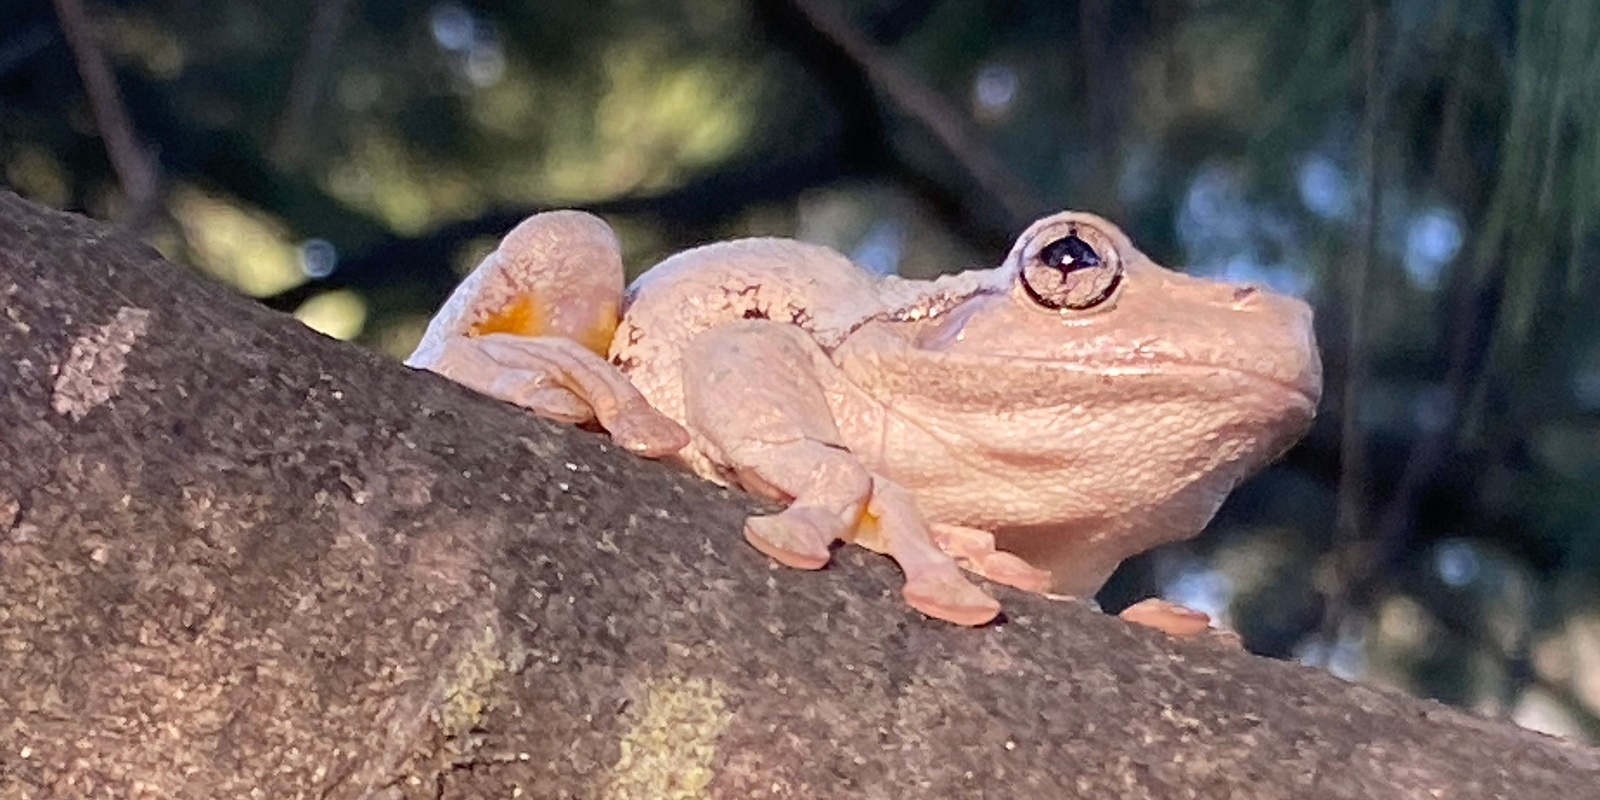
(1208, 370)
(1300, 393)
(1304, 394)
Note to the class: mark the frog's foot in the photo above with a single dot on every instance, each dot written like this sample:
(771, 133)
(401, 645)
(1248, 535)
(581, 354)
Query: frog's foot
(795, 537)
(824, 486)
(974, 550)
(950, 598)
(1175, 620)
(829, 490)
(934, 584)
(560, 379)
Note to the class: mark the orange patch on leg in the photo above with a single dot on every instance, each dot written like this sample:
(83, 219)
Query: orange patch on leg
(532, 315)
(868, 533)
(522, 316)
(597, 333)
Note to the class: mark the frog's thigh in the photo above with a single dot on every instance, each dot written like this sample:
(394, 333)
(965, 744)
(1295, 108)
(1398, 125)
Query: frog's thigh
(752, 393)
(531, 325)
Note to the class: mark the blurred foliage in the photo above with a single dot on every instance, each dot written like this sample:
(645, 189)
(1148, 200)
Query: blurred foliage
(348, 161)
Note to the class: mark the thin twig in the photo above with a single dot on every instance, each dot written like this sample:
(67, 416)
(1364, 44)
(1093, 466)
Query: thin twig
(305, 88)
(138, 170)
(950, 128)
(1350, 513)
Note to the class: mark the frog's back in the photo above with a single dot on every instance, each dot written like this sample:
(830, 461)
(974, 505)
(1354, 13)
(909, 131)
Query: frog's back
(810, 286)
(784, 280)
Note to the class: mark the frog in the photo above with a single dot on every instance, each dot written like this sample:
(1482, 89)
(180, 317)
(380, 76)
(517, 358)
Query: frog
(1032, 424)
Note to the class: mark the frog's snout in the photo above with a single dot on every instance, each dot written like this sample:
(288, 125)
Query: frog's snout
(1300, 343)
(1288, 345)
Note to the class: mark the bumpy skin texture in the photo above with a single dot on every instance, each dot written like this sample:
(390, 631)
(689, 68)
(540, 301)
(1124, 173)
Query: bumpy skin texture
(1035, 423)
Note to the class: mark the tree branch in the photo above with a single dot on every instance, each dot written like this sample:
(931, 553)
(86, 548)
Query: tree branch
(135, 163)
(288, 148)
(238, 557)
(999, 186)
(1352, 562)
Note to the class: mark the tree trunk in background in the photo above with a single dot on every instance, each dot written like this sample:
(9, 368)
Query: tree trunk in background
(237, 556)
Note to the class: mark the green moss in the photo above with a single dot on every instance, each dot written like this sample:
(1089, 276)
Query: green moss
(667, 753)
(466, 694)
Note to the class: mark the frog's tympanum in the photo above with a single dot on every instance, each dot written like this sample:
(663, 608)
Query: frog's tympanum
(1035, 423)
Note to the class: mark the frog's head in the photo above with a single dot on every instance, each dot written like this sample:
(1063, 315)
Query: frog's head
(1116, 402)
(1077, 293)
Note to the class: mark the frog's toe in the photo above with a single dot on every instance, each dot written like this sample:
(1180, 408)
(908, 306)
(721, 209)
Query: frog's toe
(550, 402)
(1167, 617)
(975, 551)
(648, 433)
(1007, 569)
(798, 537)
(951, 598)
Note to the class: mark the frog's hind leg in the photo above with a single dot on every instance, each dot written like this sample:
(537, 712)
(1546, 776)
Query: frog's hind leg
(752, 394)
(559, 379)
(531, 326)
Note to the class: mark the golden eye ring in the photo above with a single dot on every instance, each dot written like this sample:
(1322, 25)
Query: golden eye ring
(1070, 273)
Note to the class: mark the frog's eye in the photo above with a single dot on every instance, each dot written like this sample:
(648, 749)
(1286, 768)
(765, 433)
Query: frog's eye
(1071, 273)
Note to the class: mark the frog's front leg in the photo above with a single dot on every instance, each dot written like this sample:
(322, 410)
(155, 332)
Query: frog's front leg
(975, 551)
(753, 397)
(531, 325)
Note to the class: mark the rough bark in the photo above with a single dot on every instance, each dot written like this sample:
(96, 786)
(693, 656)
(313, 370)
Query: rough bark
(238, 557)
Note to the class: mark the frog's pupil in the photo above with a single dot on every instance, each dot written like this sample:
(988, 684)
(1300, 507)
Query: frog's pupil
(1069, 253)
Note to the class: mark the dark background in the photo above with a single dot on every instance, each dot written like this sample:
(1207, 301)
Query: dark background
(1426, 173)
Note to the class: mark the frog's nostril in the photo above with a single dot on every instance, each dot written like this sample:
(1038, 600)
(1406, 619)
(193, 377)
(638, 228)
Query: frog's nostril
(1241, 293)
